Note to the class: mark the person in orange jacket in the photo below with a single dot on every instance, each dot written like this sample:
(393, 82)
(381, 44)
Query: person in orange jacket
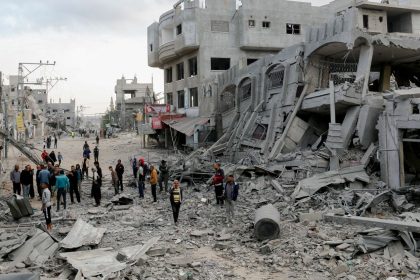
(153, 181)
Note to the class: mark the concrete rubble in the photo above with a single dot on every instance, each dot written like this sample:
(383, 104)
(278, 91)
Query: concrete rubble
(82, 234)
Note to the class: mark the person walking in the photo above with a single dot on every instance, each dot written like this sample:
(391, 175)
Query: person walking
(230, 193)
(97, 139)
(44, 156)
(15, 178)
(85, 168)
(46, 205)
(73, 185)
(59, 158)
(163, 176)
(62, 184)
(175, 196)
(141, 177)
(96, 153)
(96, 187)
(153, 181)
(25, 180)
(86, 153)
(55, 142)
(119, 168)
(114, 179)
(217, 182)
(85, 146)
(44, 144)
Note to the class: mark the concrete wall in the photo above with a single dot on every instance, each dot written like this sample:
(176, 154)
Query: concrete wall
(63, 110)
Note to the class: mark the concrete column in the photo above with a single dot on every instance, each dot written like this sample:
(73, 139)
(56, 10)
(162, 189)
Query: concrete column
(285, 84)
(363, 67)
(237, 100)
(332, 103)
(253, 93)
(385, 79)
(264, 91)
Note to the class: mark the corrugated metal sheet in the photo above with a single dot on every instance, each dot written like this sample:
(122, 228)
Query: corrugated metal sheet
(186, 125)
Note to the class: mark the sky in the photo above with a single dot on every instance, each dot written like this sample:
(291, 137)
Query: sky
(93, 42)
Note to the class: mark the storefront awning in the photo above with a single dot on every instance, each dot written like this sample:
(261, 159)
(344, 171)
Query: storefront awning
(186, 125)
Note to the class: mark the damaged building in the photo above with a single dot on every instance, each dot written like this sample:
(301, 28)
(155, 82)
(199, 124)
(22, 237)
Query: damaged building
(352, 85)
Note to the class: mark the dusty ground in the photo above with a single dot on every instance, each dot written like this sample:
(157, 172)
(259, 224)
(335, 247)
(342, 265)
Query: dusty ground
(237, 257)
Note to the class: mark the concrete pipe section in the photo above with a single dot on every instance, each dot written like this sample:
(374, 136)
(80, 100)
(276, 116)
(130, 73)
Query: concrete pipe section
(267, 223)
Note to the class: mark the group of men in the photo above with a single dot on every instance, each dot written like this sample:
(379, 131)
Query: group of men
(52, 157)
(48, 141)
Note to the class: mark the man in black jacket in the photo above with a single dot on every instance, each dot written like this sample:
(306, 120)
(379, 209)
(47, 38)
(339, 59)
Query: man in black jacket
(119, 168)
(73, 184)
(25, 179)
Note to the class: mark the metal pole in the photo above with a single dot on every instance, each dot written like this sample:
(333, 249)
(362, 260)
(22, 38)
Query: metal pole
(5, 115)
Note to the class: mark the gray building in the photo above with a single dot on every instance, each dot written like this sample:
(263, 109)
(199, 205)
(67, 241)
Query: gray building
(197, 40)
(62, 113)
(138, 95)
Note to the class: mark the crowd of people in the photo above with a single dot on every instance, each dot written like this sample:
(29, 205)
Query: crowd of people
(51, 180)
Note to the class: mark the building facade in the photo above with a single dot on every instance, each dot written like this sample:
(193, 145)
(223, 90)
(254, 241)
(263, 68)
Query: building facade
(62, 113)
(197, 40)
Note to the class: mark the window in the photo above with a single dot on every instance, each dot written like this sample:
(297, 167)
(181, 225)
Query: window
(250, 61)
(54, 111)
(68, 118)
(292, 28)
(151, 47)
(179, 29)
(266, 24)
(168, 75)
(180, 71)
(365, 21)
(220, 63)
(192, 65)
(169, 98)
(39, 101)
(193, 97)
(181, 99)
(381, 19)
(67, 111)
(251, 23)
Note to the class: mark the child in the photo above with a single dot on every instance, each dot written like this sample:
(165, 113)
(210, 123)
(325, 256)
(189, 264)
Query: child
(46, 205)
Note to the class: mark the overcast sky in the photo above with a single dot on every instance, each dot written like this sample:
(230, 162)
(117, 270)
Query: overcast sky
(94, 42)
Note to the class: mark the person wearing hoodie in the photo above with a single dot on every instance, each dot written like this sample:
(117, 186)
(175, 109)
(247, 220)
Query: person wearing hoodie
(62, 184)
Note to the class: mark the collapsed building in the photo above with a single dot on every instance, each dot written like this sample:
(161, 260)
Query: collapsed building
(352, 85)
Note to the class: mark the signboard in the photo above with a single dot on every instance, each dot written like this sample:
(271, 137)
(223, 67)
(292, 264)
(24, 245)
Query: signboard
(156, 123)
(158, 108)
(19, 122)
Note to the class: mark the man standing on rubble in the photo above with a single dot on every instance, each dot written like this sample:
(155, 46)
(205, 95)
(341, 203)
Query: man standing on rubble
(141, 177)
(153, 181)
(15, 178)
(114, 179)
(163, 176)
(176, 200)
(73, 185)
(25, 179)
(62, 184)
(217, 182)
(119, 168)
(96, 187)
(230, 194)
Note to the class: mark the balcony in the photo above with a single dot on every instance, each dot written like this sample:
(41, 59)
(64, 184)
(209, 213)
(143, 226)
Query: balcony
(186, 42)
(153, 59)
(167, 52)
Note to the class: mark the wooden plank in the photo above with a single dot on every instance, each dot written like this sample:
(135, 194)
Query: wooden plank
(374, 222)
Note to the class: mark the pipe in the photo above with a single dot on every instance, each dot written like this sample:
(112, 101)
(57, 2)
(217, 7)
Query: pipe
(267, 223)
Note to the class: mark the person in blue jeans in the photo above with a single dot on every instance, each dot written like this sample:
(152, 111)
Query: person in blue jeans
(62, 184)
(141, 177)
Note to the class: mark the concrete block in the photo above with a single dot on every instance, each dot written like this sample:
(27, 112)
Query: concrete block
(310, 217)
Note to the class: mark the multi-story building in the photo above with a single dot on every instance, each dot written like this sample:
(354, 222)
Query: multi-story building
(139, 95)
(62, 113)
(197, 40)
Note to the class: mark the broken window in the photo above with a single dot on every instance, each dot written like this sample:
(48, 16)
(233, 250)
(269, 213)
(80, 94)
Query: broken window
(251, 23)
(402, 23)
(180, 71)
(251, 60)
(365, 21)
(67, 111)
(192, 65)
(266, 24)
(168, 75)
(68, 118)
(193, 97)
(245, 90)
(181, 99)
(276, 77)
(179, 29)
(292, 28)
(169, 98)
(220, 63)
(260, 132)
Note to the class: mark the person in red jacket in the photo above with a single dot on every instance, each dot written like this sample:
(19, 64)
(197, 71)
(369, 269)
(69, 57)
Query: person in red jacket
(217, 182)
(44, 156)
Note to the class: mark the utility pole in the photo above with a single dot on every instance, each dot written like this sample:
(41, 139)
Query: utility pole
(52, 82)
(4, 101)
(24, 70)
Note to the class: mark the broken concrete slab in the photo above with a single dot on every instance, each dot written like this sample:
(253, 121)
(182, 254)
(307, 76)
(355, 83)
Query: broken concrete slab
(82, 234)
(309, 186)
(374, 222)
(267, 223)
(98, 262)
(133, 253)
(20, 276)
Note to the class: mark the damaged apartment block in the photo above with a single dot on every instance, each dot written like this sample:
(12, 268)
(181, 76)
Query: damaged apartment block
(347, 95)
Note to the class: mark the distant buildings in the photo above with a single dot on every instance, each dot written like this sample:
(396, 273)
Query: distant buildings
(62, 113)
(138, 95)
